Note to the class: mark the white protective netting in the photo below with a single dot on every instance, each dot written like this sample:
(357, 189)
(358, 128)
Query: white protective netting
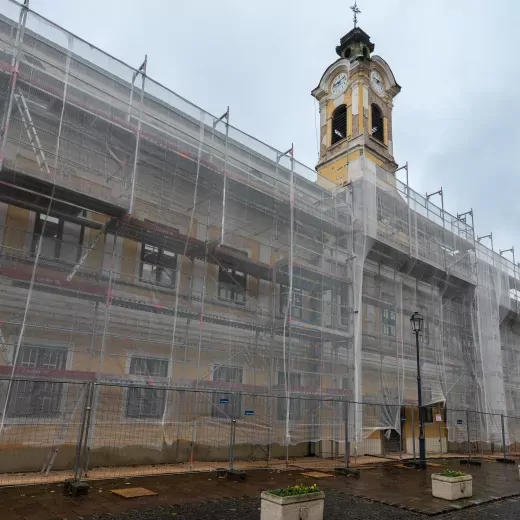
(145, 241)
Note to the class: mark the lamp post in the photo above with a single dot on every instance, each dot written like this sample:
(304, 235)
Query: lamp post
(416, 321)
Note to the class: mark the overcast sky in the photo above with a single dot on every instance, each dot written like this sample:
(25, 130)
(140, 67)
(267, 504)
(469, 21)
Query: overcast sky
(456, 120)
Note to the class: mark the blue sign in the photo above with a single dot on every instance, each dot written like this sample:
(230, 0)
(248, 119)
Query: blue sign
(459, 421)
(403, 419)
(224, 401)
(249, 412)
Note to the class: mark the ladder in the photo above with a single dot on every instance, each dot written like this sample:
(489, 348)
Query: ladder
(34, 140)
(4, 349)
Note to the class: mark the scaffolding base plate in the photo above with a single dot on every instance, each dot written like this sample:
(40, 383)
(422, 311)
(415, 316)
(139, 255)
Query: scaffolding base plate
(347, 472)
(236, 476)
(467, 462)
(75, 488)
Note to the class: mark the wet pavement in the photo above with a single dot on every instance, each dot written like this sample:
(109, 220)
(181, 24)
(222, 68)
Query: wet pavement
(411, 488)
(385, 491)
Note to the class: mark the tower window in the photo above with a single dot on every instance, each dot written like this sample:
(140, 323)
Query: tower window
(377, 123)
(339, 124)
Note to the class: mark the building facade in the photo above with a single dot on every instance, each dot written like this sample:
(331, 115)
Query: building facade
(196, 276)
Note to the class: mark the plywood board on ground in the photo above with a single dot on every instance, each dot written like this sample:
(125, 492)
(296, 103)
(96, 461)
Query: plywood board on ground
(133, 492)
(316, 474)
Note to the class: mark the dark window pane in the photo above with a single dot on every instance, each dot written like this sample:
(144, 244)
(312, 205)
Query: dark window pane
(378, 131)
(35, 398)
(339, 124)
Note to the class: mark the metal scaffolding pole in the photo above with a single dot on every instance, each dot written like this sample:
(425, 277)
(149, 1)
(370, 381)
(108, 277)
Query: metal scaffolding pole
(142, 71)
(289, 312)
(224, 188)
(428, 196)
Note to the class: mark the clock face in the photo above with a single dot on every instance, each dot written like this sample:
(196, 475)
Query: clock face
(377, 82)
(339, 84)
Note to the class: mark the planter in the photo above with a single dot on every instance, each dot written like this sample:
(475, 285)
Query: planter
(452, 488)
(298, 507)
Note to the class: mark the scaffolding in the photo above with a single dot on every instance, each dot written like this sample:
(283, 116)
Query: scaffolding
(147, 242)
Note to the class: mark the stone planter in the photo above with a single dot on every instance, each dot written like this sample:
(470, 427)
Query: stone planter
(298, 507)
(452, 488)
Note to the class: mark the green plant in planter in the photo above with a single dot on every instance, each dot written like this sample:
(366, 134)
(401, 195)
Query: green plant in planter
(451, 473)
(299, 489)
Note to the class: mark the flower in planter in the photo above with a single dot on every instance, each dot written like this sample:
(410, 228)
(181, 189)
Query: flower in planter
(299, 489)
(453, 474)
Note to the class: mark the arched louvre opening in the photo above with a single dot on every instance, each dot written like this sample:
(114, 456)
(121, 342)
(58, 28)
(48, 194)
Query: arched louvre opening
(339, 124)
(377, 124)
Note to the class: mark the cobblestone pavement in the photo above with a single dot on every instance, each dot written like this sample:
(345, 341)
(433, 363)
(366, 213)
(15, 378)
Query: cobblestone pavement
(337, 506)
(385, 491)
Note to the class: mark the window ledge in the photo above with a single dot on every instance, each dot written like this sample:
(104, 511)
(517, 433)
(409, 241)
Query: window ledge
(380, 143)
(332, 147)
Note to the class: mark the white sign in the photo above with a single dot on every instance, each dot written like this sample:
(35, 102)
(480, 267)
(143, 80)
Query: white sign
(438, 417)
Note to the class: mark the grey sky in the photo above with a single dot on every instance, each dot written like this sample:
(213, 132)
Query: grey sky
(456, 120)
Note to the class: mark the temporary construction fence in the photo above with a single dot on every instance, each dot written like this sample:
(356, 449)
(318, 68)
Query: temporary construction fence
(167, 258)
(46, 440)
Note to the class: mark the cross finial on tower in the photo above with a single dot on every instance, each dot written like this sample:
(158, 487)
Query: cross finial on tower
(356, 11)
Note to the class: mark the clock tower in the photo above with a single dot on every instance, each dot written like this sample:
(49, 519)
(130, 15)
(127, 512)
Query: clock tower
(355, 96)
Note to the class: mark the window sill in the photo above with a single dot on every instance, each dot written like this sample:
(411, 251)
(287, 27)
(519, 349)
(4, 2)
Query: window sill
(230, 303)
(380, 143)
(332, 147)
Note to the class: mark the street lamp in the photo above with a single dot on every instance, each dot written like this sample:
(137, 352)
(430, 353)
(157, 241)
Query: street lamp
(416, 321)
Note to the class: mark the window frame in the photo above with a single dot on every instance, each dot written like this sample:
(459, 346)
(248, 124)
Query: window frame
(297, 305)
(427, 411)
(11, 413)
(158, 267)
(236, 289)
(39, 220)
(388, 326)
(141, 393)
(379, 134)
(338, 122)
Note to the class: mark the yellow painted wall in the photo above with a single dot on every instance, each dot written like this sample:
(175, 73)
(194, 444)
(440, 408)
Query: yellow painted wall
(337, 171)
(16, 224)
(431, 430)
(373, 158)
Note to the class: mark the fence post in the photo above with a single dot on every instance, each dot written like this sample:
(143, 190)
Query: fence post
(270, 406)
(81, 433)
(84, 458)
(232, 444)
(413, 433)
(347, 442)
(469, 437)
(440, 436)
(503, 436)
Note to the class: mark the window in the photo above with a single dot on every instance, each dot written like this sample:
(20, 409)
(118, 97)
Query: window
(428, 414)
(343, 302)
(339, 124)
(157, 265)
(295, 408)
(297, 301)
(61, 239)
(232, 285)
(37, 398)
(424, 336)
(227, 404)
(146, 402)
(378, 131)
(388, 321)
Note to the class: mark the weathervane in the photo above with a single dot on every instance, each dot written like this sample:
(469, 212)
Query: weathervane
(356, 11)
